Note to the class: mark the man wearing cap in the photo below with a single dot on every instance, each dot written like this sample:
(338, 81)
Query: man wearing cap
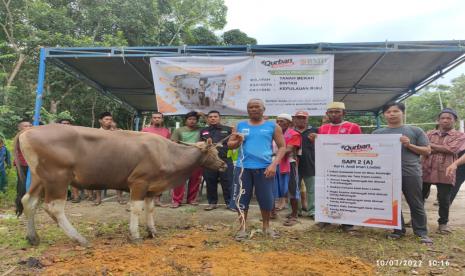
(306, 161)
(445, 144)
(286, 183)
(337, 125)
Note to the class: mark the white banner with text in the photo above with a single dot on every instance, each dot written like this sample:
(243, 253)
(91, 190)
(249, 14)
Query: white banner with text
(358, 180)
(285, 83)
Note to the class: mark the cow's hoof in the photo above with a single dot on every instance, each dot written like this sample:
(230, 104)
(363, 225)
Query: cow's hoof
(33, 240)
(151, 234)
(84, 244)
(136, 240)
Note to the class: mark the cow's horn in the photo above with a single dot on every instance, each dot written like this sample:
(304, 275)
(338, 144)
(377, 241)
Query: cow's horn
(220, 143)
(184, 143)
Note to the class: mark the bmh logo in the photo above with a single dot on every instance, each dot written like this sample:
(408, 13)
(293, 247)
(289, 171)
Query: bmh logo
(357, 148)
(278, 63)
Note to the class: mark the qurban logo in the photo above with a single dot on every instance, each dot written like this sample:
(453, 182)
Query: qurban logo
(357, 148)
(278, 63)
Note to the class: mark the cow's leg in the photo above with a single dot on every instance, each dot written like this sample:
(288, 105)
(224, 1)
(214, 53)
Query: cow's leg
(55, 199)
(149, 211)
(138, 193)
(57, 209)
(136, 211)
(30, 202)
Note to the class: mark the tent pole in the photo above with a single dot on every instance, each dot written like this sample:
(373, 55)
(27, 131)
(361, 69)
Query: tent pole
(38, 105)
(137, 121)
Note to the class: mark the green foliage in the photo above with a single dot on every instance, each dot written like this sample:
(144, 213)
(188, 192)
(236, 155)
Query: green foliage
(201, 36)
(236, 37)
(26, 25)
(7, 199)
(423, 108)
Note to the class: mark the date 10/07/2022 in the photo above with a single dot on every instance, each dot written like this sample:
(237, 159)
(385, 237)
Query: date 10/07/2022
(413, 263)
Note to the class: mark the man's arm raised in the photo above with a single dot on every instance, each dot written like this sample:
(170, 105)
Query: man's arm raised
(235, 140)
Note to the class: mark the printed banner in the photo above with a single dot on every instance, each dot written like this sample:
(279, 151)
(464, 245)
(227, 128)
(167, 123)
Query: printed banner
(285, 83)
(358, 180)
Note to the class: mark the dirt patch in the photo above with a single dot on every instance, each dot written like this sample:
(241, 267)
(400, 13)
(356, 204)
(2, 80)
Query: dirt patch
(199, 253)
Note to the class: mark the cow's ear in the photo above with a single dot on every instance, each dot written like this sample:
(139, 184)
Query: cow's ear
(209, 141)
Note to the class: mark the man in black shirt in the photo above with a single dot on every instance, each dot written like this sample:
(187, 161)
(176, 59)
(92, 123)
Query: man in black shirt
(306, 158)
(216, 132)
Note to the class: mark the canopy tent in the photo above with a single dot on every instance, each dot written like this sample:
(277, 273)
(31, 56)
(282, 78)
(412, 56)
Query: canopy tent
(366, 75)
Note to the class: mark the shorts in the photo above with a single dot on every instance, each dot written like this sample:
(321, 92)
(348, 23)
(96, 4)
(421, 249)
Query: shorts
(263, 189)
(281, 182)
(294, 189)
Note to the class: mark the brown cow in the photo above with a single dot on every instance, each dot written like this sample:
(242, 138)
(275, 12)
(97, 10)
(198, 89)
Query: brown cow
(141, 163)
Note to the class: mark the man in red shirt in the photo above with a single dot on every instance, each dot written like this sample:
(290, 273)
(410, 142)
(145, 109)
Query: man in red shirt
(337, 125)
(288, 166)
(21, 162)
(157, 127)
(336, 112)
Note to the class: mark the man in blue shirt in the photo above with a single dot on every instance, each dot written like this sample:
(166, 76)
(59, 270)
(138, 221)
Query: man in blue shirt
(5, 159)
(255, 165)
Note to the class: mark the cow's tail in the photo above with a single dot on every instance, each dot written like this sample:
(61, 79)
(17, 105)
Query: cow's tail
(21, 182)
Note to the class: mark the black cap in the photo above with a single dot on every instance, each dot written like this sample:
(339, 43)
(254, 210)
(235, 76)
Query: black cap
(450, 111)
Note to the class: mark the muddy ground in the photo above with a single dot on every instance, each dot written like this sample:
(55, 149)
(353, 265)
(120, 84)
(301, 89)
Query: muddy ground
(192, 241)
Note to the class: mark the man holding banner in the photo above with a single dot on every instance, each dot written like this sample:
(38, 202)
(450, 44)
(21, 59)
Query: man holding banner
(337, 125)
(414, 144)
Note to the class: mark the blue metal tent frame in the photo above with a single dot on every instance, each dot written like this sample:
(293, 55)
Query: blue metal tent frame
(384, 49)
(56, 56)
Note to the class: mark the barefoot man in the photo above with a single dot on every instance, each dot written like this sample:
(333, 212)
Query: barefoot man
(254, 161)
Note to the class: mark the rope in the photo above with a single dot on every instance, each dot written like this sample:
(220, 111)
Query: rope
(241, 190)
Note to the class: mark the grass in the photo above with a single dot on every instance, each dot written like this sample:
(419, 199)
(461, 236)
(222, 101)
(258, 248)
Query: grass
(371, 246)
(7, 199)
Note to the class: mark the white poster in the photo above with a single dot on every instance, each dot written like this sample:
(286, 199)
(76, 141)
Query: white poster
(358, 180)
(285, 83)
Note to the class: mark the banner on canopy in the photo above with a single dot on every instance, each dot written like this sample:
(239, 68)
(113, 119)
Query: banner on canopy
(285, 83)
(358, 180)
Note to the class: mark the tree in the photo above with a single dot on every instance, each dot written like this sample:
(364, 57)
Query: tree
(236, 37)
(456, 99)
(27, 25)
(201, 36)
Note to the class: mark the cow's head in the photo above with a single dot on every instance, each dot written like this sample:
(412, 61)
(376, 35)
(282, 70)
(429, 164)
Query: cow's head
(210, 159)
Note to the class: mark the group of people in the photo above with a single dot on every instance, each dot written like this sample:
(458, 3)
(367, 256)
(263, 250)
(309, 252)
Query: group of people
(192, 133)
(277, 161)
(427, 159)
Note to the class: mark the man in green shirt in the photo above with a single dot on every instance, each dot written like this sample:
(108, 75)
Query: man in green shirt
(189, 133)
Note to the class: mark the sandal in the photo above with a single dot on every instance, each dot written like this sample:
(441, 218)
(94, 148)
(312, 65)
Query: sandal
(122, 201)
(75, 200)
(444, 229)
(291, 221)
(241, 235)
(394, 236)
(97, 203)
(272, 233)
(426, 240)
